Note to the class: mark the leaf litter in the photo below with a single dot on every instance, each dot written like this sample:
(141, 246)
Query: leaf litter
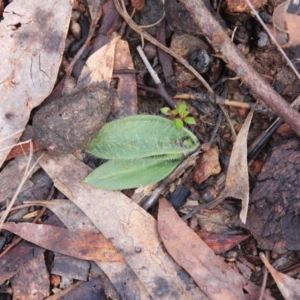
(130, 220)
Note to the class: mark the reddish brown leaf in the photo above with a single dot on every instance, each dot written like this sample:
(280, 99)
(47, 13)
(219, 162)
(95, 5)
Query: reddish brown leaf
(138, 4)
(219, 242)
(209, 271)
(207, 165)
(80, 244)
(241, 5)
(23, 149)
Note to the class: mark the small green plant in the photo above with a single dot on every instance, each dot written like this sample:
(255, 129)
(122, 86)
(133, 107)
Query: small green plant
(140, 150)
(179, 115)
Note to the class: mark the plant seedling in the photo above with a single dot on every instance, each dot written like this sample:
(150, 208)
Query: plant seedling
(179, 115)
(140, 150)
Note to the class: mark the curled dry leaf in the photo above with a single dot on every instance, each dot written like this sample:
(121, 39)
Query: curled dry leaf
(289, 287)
(237, 182)
(286, 23)
(31, 53)
(207, 164)
(210, 272)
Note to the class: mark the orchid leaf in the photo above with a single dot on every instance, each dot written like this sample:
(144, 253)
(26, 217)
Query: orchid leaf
(142, 136)
(131, 173)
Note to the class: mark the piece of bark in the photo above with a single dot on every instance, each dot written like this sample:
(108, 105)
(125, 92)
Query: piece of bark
(204, 18)
(70, 267)
(91, 290)
(71, 122)
(32, 282)
(274, 206)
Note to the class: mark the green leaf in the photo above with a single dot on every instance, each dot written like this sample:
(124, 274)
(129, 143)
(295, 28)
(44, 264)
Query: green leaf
(189, 120)
(131, 173)
(165, 110)
(178, 123)
(184, 114)
(142, 136)
(181, 108)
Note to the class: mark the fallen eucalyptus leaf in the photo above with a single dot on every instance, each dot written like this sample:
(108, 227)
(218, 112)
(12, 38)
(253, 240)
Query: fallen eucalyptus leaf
(289, 287)
(76, 243)
(237, 182)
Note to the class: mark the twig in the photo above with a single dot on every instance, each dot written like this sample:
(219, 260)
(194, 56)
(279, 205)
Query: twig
(216, 128)
(160, 88)
(163, 186)
(206, 97)
(265, 277)
(222, 43)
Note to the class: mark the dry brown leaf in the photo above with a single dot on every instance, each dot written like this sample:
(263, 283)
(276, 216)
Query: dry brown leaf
(99, 66)
(32, 42)
(73, 218)
(286, 24)
(80, 244)
(289, 287)
(123, 222)
(138, 4)
(125, 97)
(209, 271)
(292, 23)
(237, 182)
(94, 7)
(207, 164)
(220, 242)
(241, 5)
